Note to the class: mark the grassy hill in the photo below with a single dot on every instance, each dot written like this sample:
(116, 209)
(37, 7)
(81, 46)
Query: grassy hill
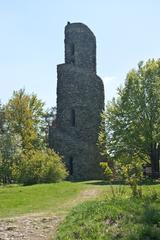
(123, 217)
(55, 198)
(92, 213)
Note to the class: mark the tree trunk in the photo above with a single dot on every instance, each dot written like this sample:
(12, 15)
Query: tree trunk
(155, 154)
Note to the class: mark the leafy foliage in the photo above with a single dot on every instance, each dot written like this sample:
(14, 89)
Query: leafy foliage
(39, 166)
(24, 114)
(10, 154)
(10, 148)
(131, 138)
(24, 156)
(128, 169)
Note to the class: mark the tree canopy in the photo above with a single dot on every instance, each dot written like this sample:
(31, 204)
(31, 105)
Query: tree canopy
(24, 156)
(132, 120)
(24, 116)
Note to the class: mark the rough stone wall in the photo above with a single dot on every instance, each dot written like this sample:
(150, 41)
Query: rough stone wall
(80, 46)
(80, 100)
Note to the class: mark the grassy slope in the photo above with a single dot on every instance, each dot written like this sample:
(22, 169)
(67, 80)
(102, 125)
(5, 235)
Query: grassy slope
(122, 218)
(49, 198)
(15, 200)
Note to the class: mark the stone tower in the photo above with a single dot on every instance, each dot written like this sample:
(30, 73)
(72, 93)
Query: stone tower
(80, 100)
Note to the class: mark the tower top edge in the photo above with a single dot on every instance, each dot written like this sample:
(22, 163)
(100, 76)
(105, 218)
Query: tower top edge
(77, 27)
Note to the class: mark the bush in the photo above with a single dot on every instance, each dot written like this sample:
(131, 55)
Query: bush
(126, 168)
(39, 166)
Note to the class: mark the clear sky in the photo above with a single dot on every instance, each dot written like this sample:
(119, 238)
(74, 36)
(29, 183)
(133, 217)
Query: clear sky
(32, 41)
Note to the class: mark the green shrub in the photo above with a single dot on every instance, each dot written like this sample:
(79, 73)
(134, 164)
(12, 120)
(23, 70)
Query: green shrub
(113, 219)
(126, 168)
(37, 166)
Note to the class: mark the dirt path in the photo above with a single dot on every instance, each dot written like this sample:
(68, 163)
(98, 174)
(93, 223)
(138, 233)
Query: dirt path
(40, 226)
(28, 227)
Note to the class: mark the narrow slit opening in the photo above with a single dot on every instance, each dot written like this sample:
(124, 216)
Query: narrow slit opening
(73, 118)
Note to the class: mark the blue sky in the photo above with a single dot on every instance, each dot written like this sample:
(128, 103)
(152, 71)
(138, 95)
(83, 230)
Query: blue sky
(32, 41)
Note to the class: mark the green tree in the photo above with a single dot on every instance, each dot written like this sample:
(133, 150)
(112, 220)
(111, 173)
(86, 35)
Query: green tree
(10, 155)
(24, 157)
(24, 114)
(132, 121)
(2, 118)
(50, 119)
(10, 149)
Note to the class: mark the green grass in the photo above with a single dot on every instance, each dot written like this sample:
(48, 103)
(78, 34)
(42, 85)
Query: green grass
(102, 219)
(119, 218)
(57, 198)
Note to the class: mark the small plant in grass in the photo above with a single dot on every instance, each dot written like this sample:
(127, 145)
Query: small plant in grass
(110, 176)
(127, 168)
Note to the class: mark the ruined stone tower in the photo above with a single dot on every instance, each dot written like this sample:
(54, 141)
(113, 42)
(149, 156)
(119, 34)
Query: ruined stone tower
(80, 100)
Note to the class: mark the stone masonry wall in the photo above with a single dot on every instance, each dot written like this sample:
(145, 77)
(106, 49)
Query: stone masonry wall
(80, 100)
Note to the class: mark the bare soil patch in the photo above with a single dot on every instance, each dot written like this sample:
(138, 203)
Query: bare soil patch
(28, 227)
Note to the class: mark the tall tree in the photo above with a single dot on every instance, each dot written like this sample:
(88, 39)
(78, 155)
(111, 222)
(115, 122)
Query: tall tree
(133, 119)
(10, 148)
(10, 153)
(24, 114)
(2, 118)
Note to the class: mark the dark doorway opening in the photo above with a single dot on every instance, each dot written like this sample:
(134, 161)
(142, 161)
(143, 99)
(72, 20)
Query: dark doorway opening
(71, 166)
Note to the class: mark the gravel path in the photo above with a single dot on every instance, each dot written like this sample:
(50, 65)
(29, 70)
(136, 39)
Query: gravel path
(28, 227)
(38, 227)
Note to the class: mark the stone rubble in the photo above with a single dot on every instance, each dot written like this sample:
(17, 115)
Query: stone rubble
(29, 228)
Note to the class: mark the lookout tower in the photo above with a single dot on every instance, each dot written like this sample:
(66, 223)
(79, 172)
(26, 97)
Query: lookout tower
(80, 101)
